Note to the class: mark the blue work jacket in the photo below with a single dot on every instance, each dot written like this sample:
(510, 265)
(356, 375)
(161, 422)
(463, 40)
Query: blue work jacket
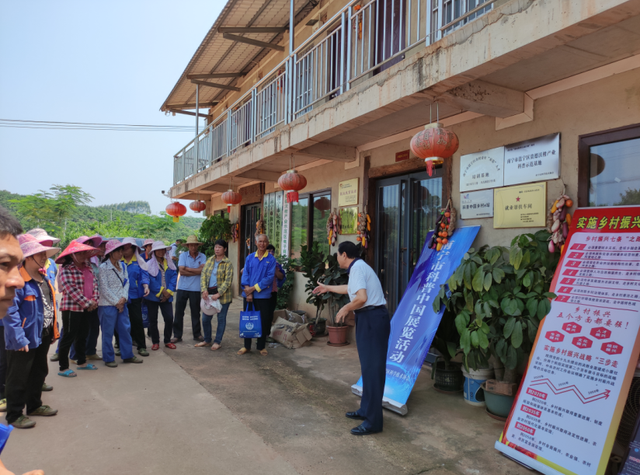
(259, 273)
(136, 289)
(25, 318)
(155, 283)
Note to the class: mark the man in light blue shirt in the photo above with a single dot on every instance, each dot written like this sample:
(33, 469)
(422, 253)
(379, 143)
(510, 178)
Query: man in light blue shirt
(190, 265)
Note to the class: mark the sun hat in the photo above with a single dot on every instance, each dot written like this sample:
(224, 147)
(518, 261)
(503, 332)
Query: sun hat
(112, 245)
(209, 306)
(73, 248)
(96, 239)
(30, 246)
(192, 240)
(133, 242)
(43, 237)
(147, 242)
(158, 245)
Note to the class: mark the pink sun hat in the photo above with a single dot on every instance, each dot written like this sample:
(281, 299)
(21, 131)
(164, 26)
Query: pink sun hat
(112, 245)
(30, 246)
(96, 239)
(147, 242)
(132, 241)
(43, 237)
(73, 248)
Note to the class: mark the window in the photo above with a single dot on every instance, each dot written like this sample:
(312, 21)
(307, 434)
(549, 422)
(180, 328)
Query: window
(273, 218)
(309, 223)
(609, 175)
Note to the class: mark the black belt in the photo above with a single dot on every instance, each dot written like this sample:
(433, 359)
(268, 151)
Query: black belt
(369, 307)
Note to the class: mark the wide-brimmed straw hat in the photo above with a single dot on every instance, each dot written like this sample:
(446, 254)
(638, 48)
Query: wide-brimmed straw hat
(112, 245)
(192, 240)
(75, 247)
(96, 239)
(158, 245)
(43, 237)
(30, 246)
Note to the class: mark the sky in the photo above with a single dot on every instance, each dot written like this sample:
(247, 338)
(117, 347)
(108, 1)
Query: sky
(99, 62)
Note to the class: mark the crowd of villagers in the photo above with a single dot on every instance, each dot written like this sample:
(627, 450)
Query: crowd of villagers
(97, 285)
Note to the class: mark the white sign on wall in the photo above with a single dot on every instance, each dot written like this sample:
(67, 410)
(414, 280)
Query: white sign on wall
(532, 160)
(482, 170)
(476, 204)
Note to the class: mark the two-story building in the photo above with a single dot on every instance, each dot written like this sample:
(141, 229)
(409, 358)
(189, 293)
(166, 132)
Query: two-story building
(361, 77)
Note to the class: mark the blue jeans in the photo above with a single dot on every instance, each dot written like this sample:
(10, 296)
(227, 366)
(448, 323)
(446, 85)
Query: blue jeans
(110, 319)
(222, 323)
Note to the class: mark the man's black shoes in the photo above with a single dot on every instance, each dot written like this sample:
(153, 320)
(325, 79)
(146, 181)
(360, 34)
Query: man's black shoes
(361, 430)
(354, 415)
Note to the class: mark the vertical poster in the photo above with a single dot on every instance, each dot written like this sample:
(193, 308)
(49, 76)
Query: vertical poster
(568, 408)
(414, 323)
(286, 223)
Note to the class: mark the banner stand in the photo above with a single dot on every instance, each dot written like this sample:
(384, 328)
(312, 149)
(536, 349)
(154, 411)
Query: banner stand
(387, 403)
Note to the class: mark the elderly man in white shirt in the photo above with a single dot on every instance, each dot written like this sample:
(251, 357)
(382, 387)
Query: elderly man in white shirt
(372, 333)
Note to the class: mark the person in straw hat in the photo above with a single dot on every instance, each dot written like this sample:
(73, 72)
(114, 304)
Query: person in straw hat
(113, 284)
(135, 263)
(79, 304)
(190, 265)
(159, 282)
(30, 328)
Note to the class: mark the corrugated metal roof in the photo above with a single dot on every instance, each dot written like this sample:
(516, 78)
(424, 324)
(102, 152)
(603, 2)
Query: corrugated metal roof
(219, 55)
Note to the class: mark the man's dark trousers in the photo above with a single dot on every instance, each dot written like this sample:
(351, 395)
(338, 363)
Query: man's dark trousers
(193, 297)
(137, 326)
(266, 318)
(26, 372)
(372, 337)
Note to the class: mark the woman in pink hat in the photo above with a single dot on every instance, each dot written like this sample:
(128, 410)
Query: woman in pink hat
(160, 280)
(147, 245)
(112, 307)
(30, 328)
(46, 240)
(79, 303)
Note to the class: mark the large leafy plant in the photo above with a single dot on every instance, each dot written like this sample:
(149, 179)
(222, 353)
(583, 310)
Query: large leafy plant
(497, 298)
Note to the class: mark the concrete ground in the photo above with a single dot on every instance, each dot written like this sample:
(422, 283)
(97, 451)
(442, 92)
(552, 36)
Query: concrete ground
(195, 411)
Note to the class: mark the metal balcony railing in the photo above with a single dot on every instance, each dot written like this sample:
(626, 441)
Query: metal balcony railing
(363, 38)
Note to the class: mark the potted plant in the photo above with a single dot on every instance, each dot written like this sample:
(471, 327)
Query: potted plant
(312, 265)
(447, 374)
(499, 296)
(334, 275)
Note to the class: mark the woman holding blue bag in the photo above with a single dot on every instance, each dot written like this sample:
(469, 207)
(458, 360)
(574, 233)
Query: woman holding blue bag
(257, 280)
(113, 280)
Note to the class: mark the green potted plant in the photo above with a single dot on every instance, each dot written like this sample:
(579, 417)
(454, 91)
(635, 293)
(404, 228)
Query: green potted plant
(499, 296)
(312, 266)
(213, 228)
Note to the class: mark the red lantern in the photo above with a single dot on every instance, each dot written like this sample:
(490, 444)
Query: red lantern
(176, 210)
(198, 206)
(293, 182)
(323, 204)
(230, 197)
(434, 144)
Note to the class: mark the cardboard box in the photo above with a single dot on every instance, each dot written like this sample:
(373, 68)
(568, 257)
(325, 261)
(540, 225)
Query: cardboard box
(295, 316)
(289, 334)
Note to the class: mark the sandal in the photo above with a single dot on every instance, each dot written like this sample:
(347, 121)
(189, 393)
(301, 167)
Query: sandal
(155, 347)
(242, 351)
(201, 344)
(216, 346)
(171, 346)
(263, 352)
(88, 367)
(67, 374)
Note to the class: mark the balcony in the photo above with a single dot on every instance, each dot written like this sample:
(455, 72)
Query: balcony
(358, 42)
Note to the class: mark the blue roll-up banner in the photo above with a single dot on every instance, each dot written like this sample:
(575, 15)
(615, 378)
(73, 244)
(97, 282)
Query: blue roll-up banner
(414, 324)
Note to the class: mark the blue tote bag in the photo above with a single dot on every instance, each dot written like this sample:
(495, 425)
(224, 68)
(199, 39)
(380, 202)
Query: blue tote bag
(250, 323)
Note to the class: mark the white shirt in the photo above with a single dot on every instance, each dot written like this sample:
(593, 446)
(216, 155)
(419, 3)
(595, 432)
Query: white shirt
(362, 276)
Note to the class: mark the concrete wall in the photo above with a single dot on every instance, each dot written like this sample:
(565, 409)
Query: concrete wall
(605, 104)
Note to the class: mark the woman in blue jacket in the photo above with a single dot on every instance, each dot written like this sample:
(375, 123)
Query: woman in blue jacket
(159, 282)
(29, 329)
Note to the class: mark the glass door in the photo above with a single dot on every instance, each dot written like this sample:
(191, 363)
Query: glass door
(407, 209)
(250, 215)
